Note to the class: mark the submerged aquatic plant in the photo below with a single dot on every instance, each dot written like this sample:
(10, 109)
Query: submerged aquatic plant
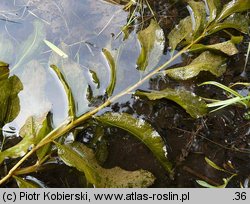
(236, 98)
(186, 37)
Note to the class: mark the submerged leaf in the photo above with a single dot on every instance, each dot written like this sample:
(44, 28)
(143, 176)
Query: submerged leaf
(75, 77)
(30, 47)
(112, 66)
(152, 42)
(23, 183)
(215, 166)
(193, 104)
(206, 61)
(56, 49)
(227, 47)
(181, 32)
(197, 12)
(81, 157)
(233, 6)
(236, 21)
(32, 132)
(71, 101)
(143, 131)
(9, 100)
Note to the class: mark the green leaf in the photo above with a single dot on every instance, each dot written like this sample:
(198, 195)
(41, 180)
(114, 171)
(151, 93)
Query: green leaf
(143, 131)
(233, 7)
(215, 166)
(225, 88)
(74, 75)
(56, 49)
(197, 12)
(95, 78)
(213, 6)
(9, 100)
(227, 48)
(236, 21)
(43, 132)
(23, 183)
(183, 31)
(32, 132)
(71, 101)
(83, 159)
(112, 66)
(152, 42)
(193, 104)
(224, 185)
(206, 61)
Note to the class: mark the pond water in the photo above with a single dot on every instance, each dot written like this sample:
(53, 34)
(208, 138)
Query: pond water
(81, 29)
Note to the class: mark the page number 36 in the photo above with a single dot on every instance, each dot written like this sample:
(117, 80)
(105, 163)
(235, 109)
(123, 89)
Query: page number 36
(240, 196)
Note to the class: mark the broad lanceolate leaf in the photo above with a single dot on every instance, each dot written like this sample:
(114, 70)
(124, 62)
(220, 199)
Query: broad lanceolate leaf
(23, 183)
(152, 42)
(236, 21)
(197, 12)
(81, 157)
(193, 104)
(9, 101)
(227, 48)
(183, 31)
(112, 65)
(32, 132)
(233, 7)
(206, 61)
(143, 131)
(56, 49)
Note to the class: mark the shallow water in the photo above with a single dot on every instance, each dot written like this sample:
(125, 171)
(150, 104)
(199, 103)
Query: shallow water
(83, 28)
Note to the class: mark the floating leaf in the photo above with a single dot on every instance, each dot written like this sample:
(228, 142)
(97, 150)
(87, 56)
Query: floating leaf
(236, 21)
(213, 6)
(227, 47)
(112, 66)
(32, 132)
(56, 49)
(23, 183)
(143, 131)
(9, 100)
(71, 102)
(152, 42)
(182, 31)
(206, 61)
(193, 104)
(197, 12)
(83, 159)
(233, 7)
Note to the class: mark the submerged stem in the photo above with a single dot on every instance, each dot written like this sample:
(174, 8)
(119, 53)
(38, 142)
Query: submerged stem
(70, 123)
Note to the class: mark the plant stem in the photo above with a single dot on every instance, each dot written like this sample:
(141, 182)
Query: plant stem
(70, 123)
